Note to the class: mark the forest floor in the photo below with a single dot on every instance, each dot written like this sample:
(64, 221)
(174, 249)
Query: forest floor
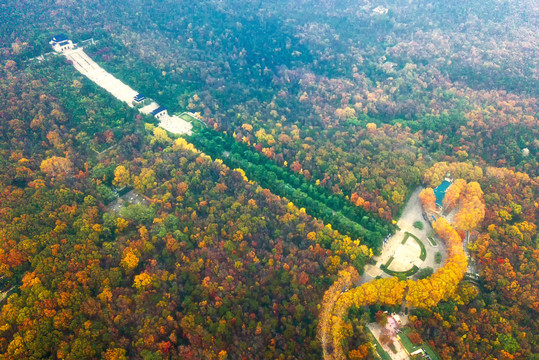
(405, 256)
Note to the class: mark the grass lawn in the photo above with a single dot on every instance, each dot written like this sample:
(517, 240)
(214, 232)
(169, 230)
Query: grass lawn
(432, 241)
(413, 270)
(423, 254)
(431, 352)
(406, 236)
(406, 342)
(407, 273)
(187, 117)
(410, 347)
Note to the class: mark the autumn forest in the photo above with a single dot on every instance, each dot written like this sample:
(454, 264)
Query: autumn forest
(361, 180)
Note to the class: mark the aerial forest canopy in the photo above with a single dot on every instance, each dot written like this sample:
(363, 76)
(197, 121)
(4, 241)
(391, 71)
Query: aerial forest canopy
(348, 160)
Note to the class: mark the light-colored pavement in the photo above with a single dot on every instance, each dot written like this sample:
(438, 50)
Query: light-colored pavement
(86, 66)
(89, 68)
(149, 108)
(132, 197)
(377, 330)
(175, 125)
(404, 255)
(395, 323)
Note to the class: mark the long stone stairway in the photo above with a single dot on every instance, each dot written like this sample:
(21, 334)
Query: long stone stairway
(89, 68)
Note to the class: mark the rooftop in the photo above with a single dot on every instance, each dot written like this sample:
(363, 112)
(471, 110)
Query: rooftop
(439, 192)
(158, 110)
(139, 97)
(59, 38)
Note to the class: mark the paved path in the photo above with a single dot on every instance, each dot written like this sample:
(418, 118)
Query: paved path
(404, 255)
(401, 353)
(132, 197)
(89, 68)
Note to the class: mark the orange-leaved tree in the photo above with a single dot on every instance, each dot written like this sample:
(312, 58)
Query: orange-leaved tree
(422, 293)
(428, 199)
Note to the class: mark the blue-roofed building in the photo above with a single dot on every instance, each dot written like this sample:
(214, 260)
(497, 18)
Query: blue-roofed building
(139, 98)
(160, 112)
(59, 38)
(440, 191)
(61, 43)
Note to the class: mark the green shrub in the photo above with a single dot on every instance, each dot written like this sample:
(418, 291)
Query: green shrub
(399, 274)
(424, 273)
(423, 254)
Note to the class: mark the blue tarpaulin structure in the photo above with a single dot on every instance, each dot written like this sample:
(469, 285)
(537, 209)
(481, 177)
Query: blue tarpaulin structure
(439, 192)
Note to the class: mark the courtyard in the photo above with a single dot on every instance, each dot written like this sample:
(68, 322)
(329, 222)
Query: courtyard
(410, 248)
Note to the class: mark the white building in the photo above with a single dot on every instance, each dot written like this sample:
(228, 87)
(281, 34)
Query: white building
(160, 112)
(380, 10)
(61, 43)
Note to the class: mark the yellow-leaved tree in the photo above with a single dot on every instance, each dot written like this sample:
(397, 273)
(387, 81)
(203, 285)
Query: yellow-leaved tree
(121, 177)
